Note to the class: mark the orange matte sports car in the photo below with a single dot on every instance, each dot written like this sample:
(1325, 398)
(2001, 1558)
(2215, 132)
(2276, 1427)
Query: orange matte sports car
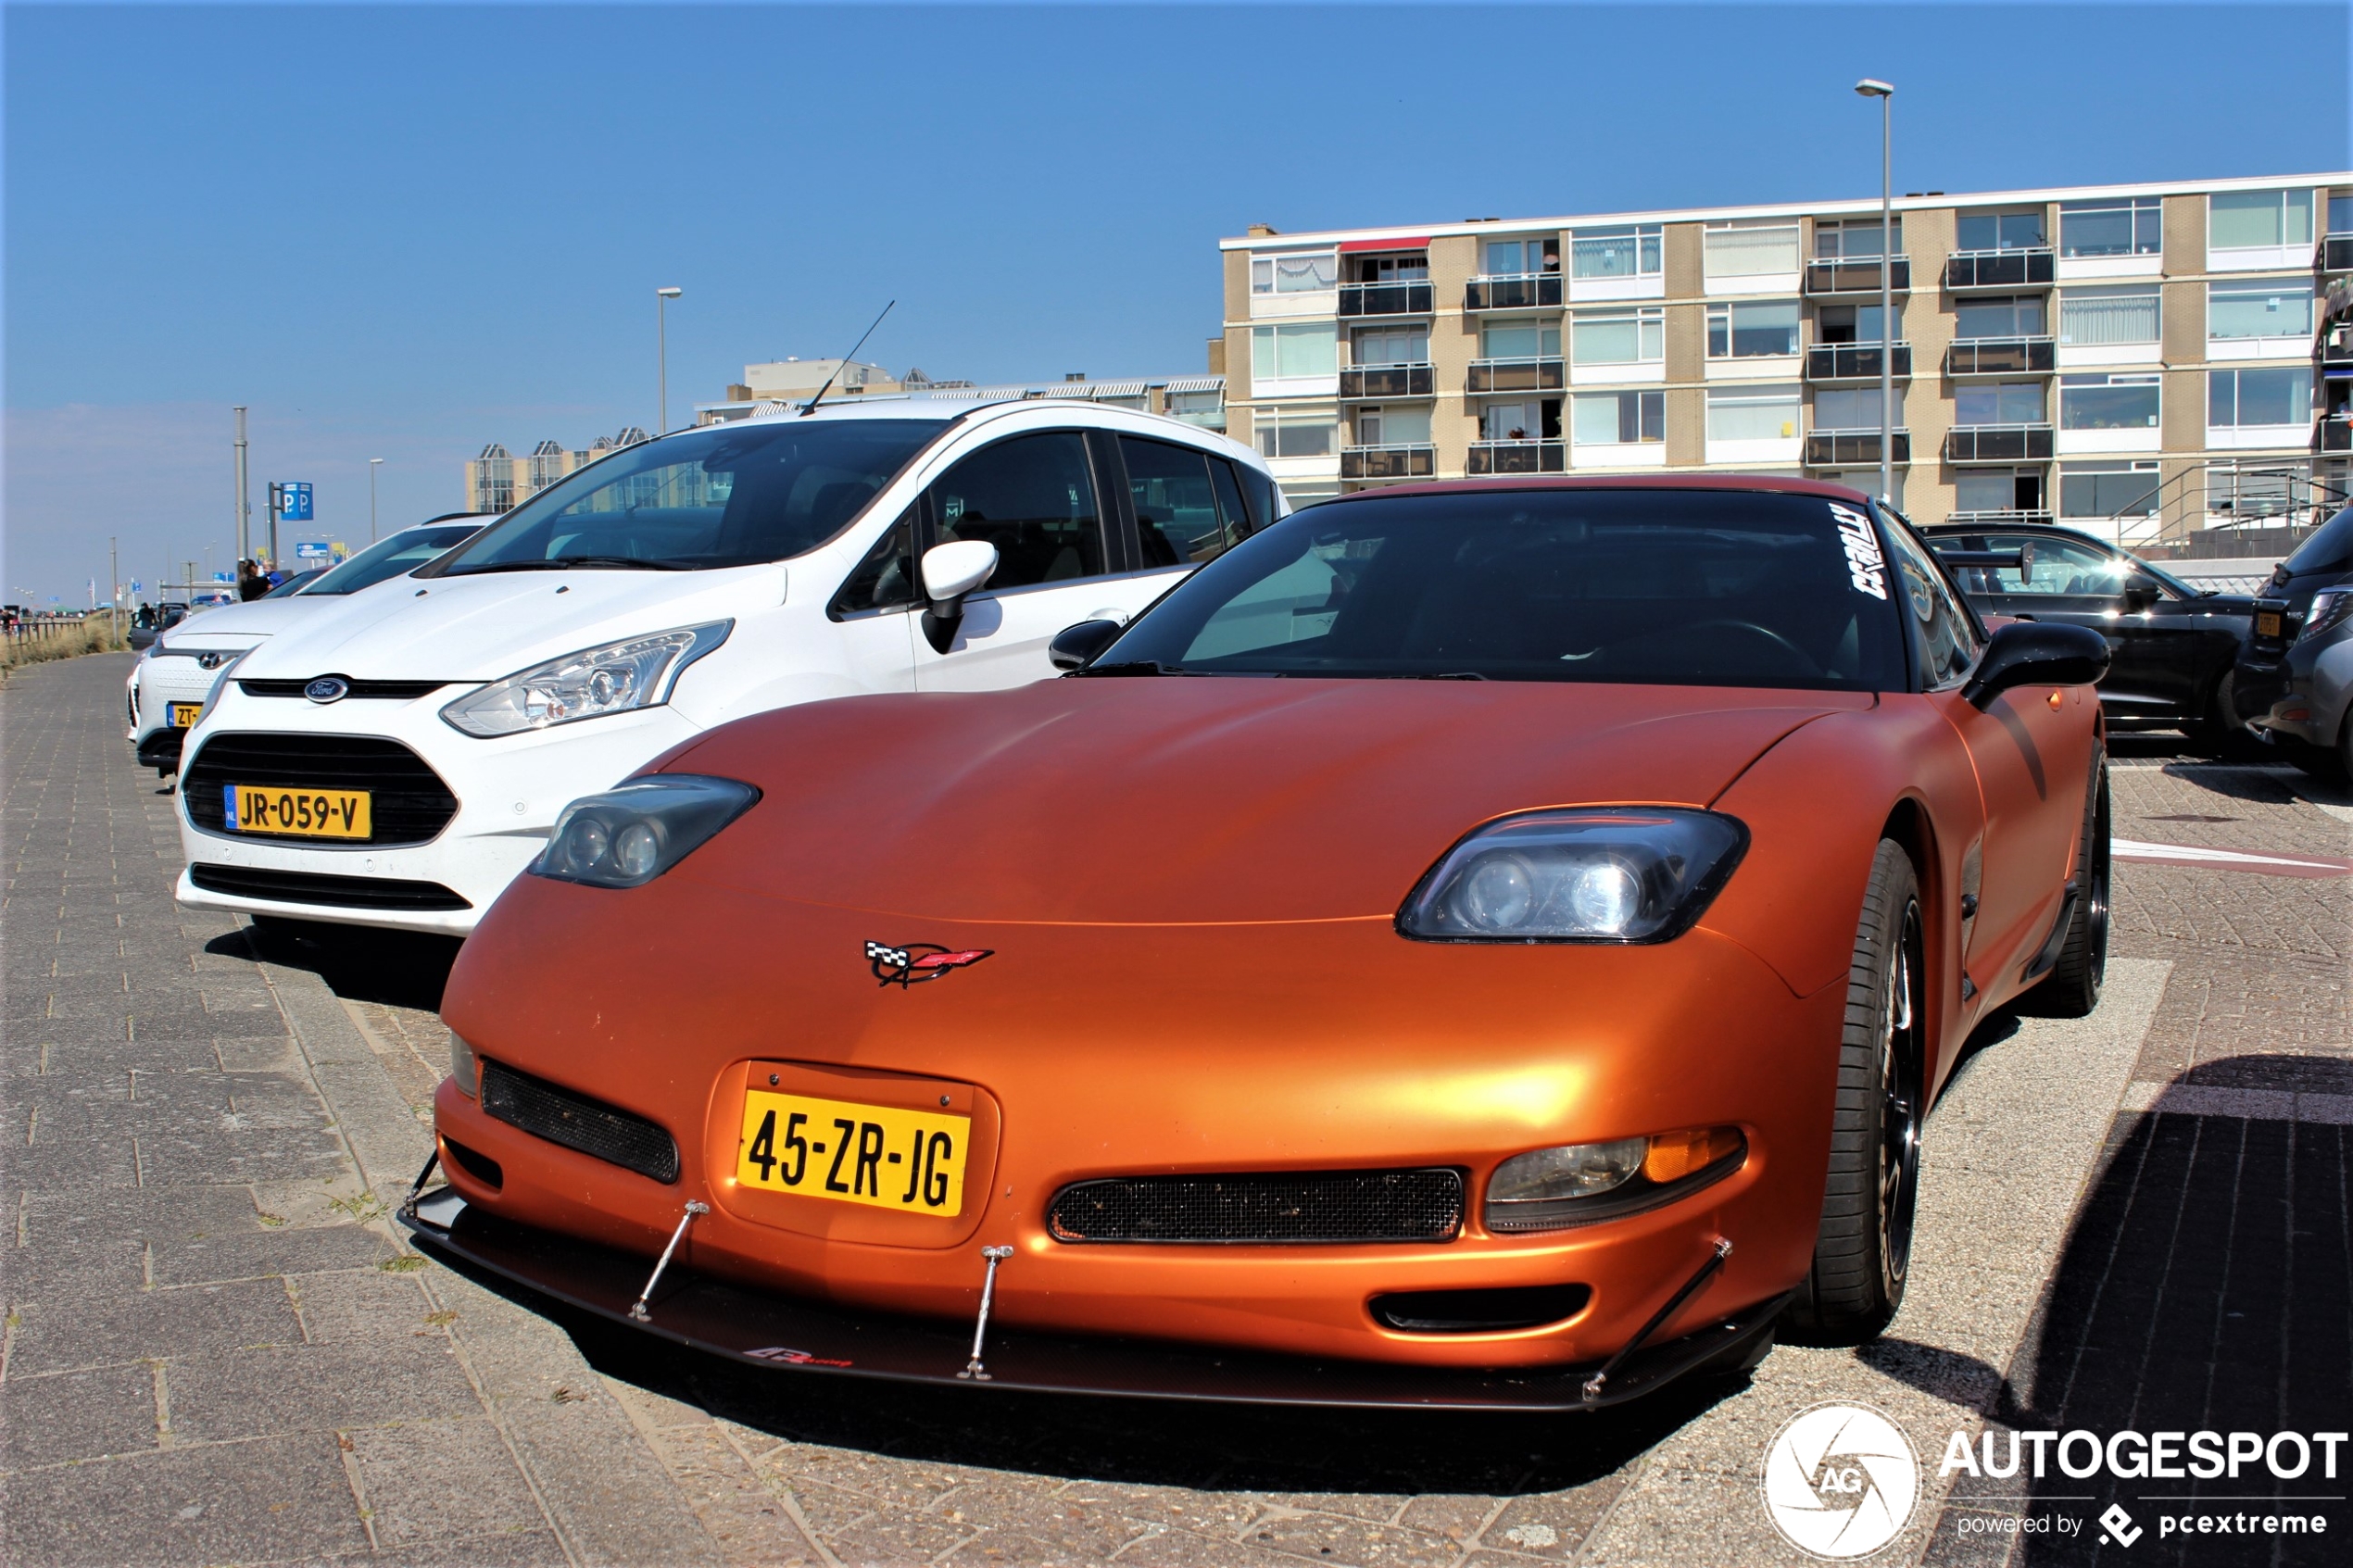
(1486, 944)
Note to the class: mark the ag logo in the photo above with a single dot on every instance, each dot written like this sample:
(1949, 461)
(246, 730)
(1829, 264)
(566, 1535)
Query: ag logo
(1839, 1481)
(918, 962)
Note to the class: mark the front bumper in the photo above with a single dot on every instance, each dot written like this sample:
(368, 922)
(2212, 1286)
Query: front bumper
(771, 1329)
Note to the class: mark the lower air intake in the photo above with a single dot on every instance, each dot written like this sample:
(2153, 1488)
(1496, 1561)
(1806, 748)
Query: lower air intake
(574, 1120)
(1262, 1208)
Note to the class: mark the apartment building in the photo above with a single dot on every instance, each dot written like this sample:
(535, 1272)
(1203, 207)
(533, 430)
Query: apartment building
(2149, 362)
(1199, 400)
(497, 480)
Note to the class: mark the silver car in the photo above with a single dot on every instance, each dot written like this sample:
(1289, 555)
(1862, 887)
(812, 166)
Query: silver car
(2311, 708)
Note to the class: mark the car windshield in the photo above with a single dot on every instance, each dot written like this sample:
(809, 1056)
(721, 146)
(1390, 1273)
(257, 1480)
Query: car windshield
(1673, 587)
(732, 495)
(387, 559)
(2329, 550)
(297, 583)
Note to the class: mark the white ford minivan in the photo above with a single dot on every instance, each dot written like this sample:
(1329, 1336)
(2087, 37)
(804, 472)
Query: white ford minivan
(397, 761)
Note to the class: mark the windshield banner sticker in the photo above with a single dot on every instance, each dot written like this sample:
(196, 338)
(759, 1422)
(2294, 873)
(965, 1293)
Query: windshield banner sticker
(1864, 566)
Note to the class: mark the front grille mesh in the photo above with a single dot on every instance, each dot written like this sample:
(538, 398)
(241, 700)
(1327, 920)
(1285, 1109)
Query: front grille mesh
(318, 887)
(557, 1114)
(408, 804)
(354, 690)
(1263, 1208)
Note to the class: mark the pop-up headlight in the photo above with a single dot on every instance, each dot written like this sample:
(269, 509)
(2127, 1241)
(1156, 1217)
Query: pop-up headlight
(631, 835)
(1599, 874)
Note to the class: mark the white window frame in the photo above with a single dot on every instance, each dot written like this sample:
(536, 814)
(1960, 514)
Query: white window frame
(2079, 521)
(1840, 227)
(1316, 385)
(2138, 262)
(2287, 251)
(1650, 346)
(2137, 351)
(1723, 281)
(1268, 298)
(2238, 435)
(1730, 366)
(1787, 447)
(2129, 438)
(1265, 422)
(1648, 281)
(2296, 344)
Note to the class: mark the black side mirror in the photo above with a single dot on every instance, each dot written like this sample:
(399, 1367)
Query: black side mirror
(2036, 653)
(2141, 590)
(1075, 647)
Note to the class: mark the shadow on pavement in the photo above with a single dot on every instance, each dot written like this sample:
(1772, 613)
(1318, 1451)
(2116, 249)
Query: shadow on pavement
(401, 969)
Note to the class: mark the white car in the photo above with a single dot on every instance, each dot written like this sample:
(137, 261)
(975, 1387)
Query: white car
(399, 762)
(167, 686)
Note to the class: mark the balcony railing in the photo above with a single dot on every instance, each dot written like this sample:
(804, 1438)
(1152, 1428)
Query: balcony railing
(2337, 252)
(1539, 374)
(1396, 460)
(2332, 436)
(2005, 517)
(1387, 381)
(1857, 276)
(2001, 356)
(1853, 361)
(1384, 300)
(1834, 448)
(1512, 290)
(2335, 350)
(1519, 457)
(1997, 444)
(2000, 269)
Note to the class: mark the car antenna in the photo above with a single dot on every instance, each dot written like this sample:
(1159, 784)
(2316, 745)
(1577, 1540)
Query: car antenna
(810, 406)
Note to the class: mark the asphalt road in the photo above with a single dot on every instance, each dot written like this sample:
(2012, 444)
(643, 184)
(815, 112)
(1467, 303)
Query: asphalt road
(216, 1349)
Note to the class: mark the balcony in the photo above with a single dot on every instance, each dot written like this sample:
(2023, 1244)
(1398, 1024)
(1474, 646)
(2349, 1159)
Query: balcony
(1512, 290)
(1997, 444)
(1384, 300)
(2001, 357)
(2337, 252)
(2332, 436)
(2008, 517)
(1519, 457)
(1516, 375)
(1404, 460)
(2335, 351)
(1853, 361)
(1387, 381)
(1966, 270)
(1837, 448)
(1856, 276)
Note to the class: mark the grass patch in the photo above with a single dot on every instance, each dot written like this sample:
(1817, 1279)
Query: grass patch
(96, 635)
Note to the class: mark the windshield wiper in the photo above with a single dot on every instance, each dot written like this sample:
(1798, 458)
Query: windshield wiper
(564, 563)
(1448, 676)
(1134, 666)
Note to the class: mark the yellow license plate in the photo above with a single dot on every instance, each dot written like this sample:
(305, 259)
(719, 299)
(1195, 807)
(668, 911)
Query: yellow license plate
(910, 1160)
(306, 813)
(2267, 626)
(185, 713)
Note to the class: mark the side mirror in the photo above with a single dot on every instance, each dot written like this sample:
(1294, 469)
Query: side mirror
(2036, 653)
(949, 572)
(2141, 590)
(1075, 647)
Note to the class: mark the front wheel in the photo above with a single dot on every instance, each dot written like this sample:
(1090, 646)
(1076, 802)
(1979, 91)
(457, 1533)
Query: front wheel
(1862, 1253)
(2072, 988)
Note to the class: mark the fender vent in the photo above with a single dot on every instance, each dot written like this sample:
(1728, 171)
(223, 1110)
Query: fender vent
(545, 1111)
(1266, 1208)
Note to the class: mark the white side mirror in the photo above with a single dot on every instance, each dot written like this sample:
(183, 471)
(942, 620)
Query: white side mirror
(952, 571)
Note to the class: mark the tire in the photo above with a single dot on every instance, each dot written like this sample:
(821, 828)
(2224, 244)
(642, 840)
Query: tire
(1862, 1253)
(2072, 988)
(2220, 733)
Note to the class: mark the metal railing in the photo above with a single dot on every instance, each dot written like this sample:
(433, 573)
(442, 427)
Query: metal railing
(2214, 495)
(2025, 269)
(2331, 435)
(1519, 457)
(1531, 373)
(2007, 516)
(2002, 356)
(1830, 448)
(1512, 290)
(2336, 346)
(1387, 381)
(1385, 299)
(2337, 252)
(1400, 460)
(1999, 443)
(1856, 276)
(1853, 361)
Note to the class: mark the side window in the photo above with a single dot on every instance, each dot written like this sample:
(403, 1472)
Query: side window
(1034, 498)
(1264, 505)
(1943, 629)
(2058, 567)
(886, 578)
(1229, 496)
(1181, 520)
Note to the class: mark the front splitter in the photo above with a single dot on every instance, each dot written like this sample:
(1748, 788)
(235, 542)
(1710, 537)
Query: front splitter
(767, 1329)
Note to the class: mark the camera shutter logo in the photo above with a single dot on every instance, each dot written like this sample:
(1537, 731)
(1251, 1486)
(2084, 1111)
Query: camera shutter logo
(1839, 1481)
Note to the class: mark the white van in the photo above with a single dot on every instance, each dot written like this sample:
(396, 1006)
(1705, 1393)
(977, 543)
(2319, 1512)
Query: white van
(399, 761)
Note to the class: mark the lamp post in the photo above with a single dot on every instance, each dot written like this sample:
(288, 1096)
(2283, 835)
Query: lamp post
(1870, 87)
(373, 464)
(661, 350)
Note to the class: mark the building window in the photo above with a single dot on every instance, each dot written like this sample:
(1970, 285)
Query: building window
(2114, 226)
(2275, 307)
(1755, 413)
(1206, 409)
(1617, 419)
(1625, 251)
(1999, 403)
(2106, 318)
(1302, 272)
(2000, 231)
(1508, 258)
(1748, 250)
(2251, 219)
(1851, 407)
(1619, 337)
(2107, 402)
(1393, 426)
(1741, 332)
(1997, 490)
(1410, 268)
(1840, 323)
(2108, 490)
(1999, 315)
(2237, 399)
(1528, 338)
(1852, 239)
(1286, 434)
(1294, 350)
(1392, 345)
(2341, 215)
(1533, 419)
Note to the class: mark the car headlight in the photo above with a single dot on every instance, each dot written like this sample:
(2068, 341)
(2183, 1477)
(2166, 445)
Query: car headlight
(2330, 605)
(1599, 874)
(464, 1066)
(609, 678)
(1578, 1183)
(632, 834)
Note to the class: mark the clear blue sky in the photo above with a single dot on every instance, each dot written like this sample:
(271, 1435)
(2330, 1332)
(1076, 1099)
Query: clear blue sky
(406, 231)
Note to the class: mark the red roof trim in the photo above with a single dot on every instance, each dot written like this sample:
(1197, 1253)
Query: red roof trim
(1421, 242)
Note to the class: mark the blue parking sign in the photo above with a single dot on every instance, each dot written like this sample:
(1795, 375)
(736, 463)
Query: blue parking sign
(294, 502)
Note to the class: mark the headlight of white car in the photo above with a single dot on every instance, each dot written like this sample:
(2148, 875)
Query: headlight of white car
(609, 678)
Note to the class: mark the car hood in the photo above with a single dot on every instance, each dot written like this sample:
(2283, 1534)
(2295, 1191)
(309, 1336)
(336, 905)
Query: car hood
(238, 625)
(1194, 800)
(482, 628)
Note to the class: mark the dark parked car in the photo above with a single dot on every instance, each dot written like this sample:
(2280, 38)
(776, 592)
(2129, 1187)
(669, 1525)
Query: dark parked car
(2324, 560)
(2173, 646)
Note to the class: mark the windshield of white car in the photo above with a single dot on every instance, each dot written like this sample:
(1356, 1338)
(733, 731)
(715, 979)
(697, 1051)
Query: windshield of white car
(1670, 587)
(733, 495)
(387, 559)
(297, 583)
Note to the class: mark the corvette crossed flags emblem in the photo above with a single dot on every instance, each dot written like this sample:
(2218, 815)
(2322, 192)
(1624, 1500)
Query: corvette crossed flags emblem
(918, 962)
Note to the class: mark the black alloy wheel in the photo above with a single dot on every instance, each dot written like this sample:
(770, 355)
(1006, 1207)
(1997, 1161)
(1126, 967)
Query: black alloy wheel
(1900, 1107)
(2072, 988)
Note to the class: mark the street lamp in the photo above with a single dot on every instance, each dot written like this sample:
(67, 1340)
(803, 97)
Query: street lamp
(661, 349)
(1870, 87)
(373, 464)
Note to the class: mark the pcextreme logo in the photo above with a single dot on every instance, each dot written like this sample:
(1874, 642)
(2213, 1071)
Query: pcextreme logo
(1839, 1481)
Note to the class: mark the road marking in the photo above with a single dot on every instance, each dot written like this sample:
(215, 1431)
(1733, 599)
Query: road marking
(2228, 860)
